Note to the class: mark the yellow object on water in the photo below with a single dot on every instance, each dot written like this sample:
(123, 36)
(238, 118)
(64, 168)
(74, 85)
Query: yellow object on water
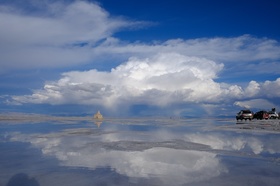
(98, 115)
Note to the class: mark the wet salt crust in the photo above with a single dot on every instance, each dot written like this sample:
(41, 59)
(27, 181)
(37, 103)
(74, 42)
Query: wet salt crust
(139, 151)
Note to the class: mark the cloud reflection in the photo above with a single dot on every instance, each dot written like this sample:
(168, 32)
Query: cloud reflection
(257, 144)
(183, 164)
(167, 155)
(168, 164)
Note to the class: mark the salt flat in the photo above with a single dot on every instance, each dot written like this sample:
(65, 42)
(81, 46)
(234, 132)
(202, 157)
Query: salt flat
(49, 150)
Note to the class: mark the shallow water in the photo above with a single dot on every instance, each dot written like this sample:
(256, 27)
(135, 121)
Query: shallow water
(140, 151)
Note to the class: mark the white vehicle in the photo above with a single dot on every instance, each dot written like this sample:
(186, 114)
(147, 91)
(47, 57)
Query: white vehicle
(273, 115)
(244, 114)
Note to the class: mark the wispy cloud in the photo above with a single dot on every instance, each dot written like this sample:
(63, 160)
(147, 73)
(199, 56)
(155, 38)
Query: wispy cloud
(60, 36)
(68, 34)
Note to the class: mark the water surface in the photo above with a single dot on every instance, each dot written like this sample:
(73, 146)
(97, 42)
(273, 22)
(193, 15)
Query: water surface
(139, 151)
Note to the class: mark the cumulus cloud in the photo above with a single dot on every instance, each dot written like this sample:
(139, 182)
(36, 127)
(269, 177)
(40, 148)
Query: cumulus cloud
(162, 80)
(252, 89)
(272, 88)
(258, 95)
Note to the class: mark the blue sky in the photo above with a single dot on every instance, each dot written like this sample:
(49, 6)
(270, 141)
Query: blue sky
(139, 58)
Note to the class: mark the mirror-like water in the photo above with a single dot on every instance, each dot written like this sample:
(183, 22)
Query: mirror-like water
(139, 152)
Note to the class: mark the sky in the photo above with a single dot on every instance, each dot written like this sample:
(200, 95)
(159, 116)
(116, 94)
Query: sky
(139, 58)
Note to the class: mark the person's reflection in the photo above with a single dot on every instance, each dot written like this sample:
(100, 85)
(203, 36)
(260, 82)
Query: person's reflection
(22, 179)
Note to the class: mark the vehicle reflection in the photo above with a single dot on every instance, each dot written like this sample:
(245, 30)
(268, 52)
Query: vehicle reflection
(266, 125)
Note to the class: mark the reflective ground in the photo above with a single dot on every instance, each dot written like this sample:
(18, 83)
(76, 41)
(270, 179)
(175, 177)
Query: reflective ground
(150, 151)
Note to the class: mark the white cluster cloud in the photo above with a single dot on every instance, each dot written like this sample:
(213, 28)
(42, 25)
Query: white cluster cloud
(272, 88)
(258, 93)
(267, 88)
(162, 80)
